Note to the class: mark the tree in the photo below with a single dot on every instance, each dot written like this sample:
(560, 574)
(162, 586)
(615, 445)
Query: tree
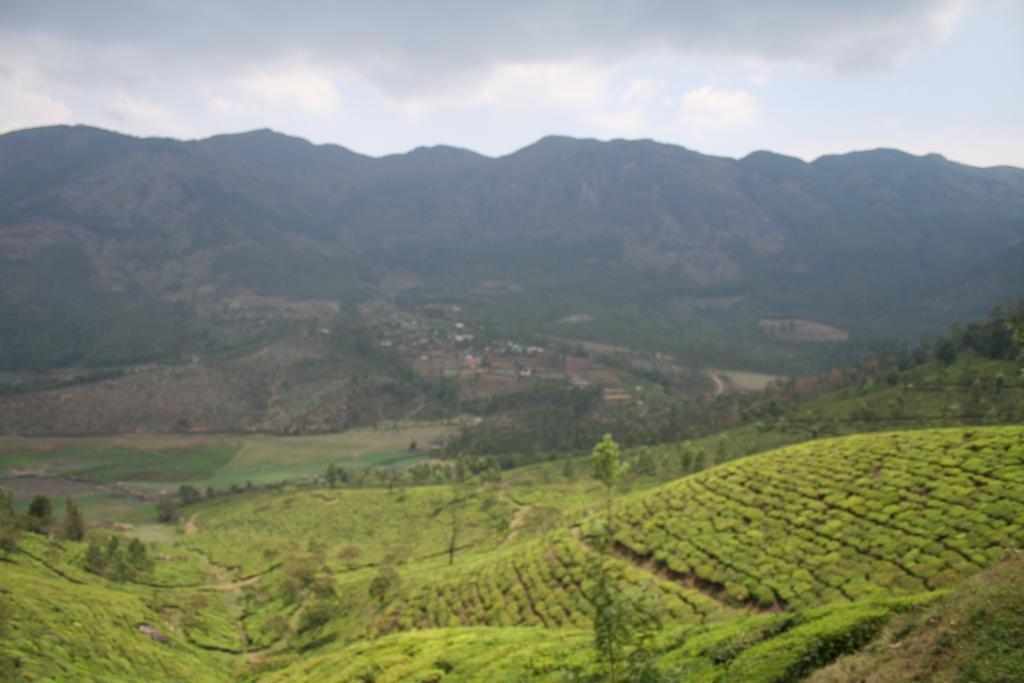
(462, 491)
(8, 525)
(332, 475)
(385, 583)
(608, 469)
(95, 560)
(167, 510)
(138, 558)
(6, 504)
(74, 524)
(40, 514)
(946, 350)
(622, 624)
(189, 494)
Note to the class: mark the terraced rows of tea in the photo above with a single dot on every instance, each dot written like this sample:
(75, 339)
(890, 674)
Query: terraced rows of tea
(543, 585)
(837, 519)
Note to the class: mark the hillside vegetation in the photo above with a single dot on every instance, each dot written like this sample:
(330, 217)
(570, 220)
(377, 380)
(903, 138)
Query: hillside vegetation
(763, 569)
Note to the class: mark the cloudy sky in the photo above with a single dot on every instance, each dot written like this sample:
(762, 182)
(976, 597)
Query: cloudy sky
(802, 77)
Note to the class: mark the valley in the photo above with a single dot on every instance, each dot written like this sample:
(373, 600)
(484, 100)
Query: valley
(588, 411)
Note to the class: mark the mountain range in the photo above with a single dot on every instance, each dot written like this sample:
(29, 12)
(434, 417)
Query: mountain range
(115, 249)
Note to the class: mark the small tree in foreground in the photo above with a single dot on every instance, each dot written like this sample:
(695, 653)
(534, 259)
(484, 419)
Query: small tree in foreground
(623, 624)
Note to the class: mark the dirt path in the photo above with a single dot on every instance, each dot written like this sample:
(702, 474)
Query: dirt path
(720, 385)
(417, 410)
(518, 519)
(190, 525)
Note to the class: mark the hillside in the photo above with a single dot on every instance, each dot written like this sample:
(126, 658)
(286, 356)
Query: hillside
(156, 249)
(974, 634)
(763, 570)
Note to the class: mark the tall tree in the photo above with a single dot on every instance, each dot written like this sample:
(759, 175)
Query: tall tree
(8, 524)
(332, 475)
(608, 469)
(40, 514)
(74, 523)
(622, 623)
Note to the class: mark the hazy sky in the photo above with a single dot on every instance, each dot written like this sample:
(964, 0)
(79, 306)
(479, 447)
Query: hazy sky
(802, 77)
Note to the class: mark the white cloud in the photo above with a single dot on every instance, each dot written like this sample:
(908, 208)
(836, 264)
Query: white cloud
(642, 88)
(226, 106)
(143, 116)
(26, 109)
(705, 107)
(25, 101)
(566, 85)
(630, 122)
(306, 90)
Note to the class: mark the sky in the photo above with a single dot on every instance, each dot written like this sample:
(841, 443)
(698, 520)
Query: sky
(799, 77)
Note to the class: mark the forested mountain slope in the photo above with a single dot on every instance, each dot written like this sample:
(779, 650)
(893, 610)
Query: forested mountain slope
(135, 248)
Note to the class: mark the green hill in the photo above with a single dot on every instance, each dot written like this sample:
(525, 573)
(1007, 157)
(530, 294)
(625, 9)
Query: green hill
(763, 569)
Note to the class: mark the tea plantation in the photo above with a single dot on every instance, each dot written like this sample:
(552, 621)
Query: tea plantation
(839, 519)
(763, 569)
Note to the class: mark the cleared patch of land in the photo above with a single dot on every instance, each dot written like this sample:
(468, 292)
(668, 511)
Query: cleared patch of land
(739, 380)
(800, 330)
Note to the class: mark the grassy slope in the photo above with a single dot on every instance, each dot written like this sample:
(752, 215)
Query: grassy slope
(854, 520)
(84, 628)
(753, 649)
(845, 520)
(254, 531)
(976, 634)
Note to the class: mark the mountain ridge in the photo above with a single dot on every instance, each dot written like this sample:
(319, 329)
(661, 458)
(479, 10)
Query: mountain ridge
(855, 240)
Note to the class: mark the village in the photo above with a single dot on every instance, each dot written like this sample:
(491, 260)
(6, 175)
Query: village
(441, 343)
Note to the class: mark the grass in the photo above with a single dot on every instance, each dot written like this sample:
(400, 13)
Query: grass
(255, 530)
(975, 634)
(60, 631)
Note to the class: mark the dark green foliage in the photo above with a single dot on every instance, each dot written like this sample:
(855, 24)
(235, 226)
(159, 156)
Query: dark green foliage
(8, 525)
(316, 614)
(73, 524)
(115, 560)
(39, 516)
(189, 494)
(385, 583)
(299, 574)
(332, 475)
(624, 625)
(9, 533)
(167, 510)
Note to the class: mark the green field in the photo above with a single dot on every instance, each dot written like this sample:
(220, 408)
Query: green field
(118, 477)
